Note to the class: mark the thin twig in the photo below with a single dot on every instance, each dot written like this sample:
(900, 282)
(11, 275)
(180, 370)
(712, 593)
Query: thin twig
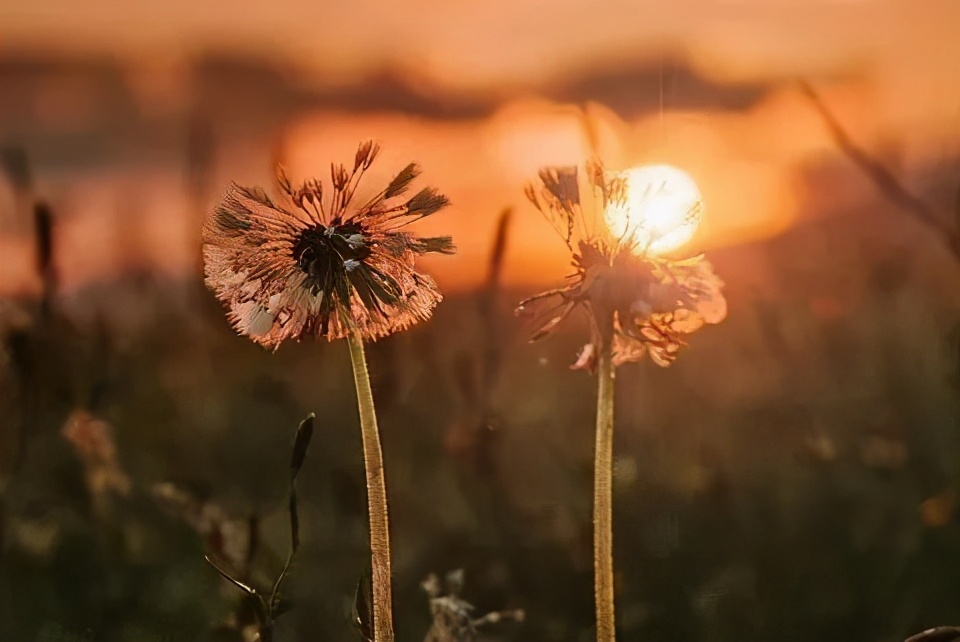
(885, 181)
(269, 609)
(300, 445)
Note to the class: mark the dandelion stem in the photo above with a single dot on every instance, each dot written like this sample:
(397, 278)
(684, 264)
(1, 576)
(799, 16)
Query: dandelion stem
(603, 497)
(376, 495)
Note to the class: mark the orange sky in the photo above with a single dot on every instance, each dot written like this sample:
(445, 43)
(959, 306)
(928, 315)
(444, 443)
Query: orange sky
(478, 44)
(890, 69)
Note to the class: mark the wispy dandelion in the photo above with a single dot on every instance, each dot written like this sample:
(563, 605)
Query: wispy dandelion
(318, 263)
(651, 302)
(637, 304)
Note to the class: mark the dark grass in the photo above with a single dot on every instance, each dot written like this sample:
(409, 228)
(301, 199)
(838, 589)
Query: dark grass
(794, 476)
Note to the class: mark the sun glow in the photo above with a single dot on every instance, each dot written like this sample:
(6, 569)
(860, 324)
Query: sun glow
(662, 211)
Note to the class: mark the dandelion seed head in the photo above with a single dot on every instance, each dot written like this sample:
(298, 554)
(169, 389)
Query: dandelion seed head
(318, 263)
(639, 303)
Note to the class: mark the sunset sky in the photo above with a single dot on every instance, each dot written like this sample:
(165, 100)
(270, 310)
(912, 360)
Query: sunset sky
(510, 72)
(495, 44)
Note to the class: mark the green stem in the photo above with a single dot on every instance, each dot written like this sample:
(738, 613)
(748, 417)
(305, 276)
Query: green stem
(376, 496)
(603, 498)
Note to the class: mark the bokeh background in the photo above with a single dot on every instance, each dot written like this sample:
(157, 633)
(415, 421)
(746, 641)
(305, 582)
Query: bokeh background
(795, 476)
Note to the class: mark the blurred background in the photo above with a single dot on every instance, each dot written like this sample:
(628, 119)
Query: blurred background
(795, 476)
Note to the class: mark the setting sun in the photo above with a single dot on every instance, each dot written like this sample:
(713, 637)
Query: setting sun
(662, 211)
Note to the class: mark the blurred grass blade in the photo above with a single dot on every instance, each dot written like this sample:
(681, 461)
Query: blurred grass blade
(938, 634)
(300, 445)
(249, 590)
(363, 606)
(294, 522)
(499, 249)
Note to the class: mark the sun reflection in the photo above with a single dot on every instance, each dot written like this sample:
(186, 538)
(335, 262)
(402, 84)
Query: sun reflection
(662, 210)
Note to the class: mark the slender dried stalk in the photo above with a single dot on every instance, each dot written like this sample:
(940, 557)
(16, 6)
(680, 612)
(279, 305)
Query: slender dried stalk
(376, 495)
(883, 178)
(603, 497)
